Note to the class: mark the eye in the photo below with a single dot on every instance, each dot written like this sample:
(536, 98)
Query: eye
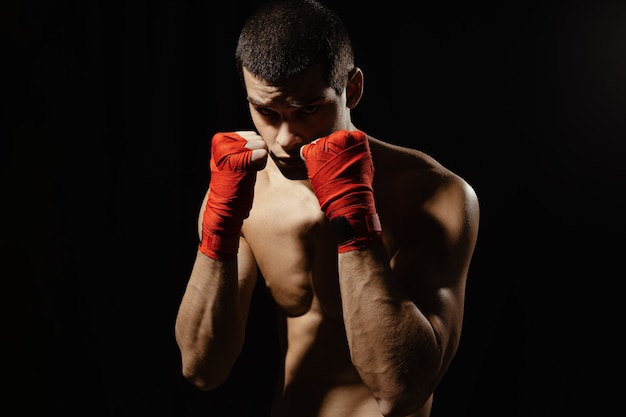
(309, 109)
(264, 111)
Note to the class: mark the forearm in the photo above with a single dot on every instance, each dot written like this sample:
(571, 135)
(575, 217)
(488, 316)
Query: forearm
(210, 324)
(392, 344)
(386, 332)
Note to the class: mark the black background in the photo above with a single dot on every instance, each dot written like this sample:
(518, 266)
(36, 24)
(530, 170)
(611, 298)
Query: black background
(108, 108)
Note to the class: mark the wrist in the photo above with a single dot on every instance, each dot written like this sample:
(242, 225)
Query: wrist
(219, 246)
(357, 231)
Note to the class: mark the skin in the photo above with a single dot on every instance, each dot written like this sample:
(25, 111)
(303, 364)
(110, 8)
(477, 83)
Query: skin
(369, 332)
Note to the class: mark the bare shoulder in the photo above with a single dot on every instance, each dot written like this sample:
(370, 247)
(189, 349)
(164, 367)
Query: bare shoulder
(423, 205)
(419, 178)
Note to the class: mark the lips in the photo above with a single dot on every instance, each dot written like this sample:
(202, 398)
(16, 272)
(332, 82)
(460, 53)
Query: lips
(292, 167)
(289, 161)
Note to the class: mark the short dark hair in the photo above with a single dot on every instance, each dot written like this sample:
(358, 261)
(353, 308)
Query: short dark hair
(282, 38)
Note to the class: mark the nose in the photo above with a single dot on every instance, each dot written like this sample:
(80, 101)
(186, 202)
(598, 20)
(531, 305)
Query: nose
(287, 138)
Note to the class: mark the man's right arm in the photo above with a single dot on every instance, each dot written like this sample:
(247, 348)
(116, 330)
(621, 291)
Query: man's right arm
(210, 325)
(211, 319)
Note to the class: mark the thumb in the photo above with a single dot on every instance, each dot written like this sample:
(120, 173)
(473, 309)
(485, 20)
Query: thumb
(304, 150)
(259, 158)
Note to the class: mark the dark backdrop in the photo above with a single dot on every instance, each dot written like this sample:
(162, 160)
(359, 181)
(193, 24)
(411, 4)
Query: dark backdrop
(108, 108)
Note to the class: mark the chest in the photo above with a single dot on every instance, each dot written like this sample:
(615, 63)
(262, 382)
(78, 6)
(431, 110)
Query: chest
(295, 250)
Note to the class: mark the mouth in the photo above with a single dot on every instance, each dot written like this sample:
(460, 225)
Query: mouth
(287, 161)
(292, 167)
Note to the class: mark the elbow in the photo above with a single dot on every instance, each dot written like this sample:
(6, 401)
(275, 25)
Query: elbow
(203, 378)
(200, 381)
(206, 374)
(405, 400)
(205, 366)
(398, 407)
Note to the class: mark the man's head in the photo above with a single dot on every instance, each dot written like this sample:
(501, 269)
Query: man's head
(285, 37)
(297, 67)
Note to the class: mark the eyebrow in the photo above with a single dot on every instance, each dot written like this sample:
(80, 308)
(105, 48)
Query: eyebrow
(253, 101)
(293, 103)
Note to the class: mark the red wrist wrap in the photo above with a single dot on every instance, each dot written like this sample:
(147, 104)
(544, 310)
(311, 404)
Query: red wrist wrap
(341, 173)
(230, 196)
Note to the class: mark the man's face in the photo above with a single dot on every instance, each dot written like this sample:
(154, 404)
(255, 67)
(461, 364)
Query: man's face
(294, 113)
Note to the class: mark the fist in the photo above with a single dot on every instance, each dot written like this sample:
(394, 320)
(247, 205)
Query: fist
(238, 151)
(235, 158)
(340, 169)
(341, 172)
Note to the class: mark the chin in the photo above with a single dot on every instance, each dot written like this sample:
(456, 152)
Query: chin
(294, 174)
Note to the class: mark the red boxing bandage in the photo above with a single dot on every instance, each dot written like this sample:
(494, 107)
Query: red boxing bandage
(230, 196)
(341, 173)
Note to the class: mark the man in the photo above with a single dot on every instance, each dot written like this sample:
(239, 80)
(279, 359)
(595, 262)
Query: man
(364, 246)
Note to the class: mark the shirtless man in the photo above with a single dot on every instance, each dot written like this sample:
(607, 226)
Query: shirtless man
(368, 269)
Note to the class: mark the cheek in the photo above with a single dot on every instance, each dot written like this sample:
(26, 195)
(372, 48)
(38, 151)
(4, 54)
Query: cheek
(260, 124)
(267, 132)
(336, 117)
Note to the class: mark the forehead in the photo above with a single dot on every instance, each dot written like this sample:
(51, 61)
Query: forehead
(310, 85)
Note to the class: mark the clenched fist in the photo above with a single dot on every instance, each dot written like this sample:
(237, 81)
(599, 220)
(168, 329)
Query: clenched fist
(235, 159)
(341, 172)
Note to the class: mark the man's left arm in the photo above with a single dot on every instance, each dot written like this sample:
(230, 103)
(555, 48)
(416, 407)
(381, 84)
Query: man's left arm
(403, 318)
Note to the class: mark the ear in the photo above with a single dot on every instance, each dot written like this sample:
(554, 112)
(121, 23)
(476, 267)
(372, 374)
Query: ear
(354, 89)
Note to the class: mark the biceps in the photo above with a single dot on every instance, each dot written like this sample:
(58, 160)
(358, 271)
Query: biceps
(437, 289)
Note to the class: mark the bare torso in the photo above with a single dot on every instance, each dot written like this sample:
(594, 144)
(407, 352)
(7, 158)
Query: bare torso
(296, 256)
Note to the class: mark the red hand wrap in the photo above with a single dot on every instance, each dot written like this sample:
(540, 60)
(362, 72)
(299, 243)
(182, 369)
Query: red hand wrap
(230, 196)
(341, 173)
